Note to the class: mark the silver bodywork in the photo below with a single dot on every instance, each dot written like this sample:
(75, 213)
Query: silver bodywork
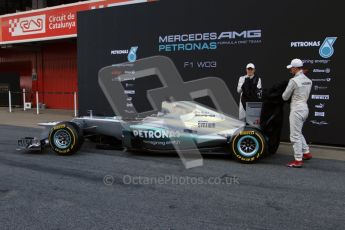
(181, 120)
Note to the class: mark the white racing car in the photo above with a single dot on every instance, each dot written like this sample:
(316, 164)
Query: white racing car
(174, 126)
(182, 125)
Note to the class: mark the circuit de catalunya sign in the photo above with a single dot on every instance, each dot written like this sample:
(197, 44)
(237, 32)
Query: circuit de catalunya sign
(49, 23)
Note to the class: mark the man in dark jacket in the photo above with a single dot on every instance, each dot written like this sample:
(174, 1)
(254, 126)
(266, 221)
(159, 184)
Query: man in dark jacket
(249, 86)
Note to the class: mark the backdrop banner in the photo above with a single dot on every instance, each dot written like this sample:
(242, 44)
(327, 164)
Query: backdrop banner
(217, 39)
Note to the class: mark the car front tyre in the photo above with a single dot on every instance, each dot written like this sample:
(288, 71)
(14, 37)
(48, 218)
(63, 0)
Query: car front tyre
(65, 138)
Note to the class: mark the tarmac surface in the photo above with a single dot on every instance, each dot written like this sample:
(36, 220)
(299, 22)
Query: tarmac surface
(111, 189)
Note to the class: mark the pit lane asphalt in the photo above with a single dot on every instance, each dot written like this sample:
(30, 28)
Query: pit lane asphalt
(46, 191)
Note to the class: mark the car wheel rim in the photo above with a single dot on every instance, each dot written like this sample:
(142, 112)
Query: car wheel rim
(62, 139)
(248, 146)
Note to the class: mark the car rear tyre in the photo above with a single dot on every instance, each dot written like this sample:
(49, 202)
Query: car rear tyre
(248, 145)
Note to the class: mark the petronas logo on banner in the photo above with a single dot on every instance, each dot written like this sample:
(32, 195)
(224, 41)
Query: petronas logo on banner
(326, 49)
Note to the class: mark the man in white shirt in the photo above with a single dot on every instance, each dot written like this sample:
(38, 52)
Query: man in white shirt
(249, 87)
(298, 89)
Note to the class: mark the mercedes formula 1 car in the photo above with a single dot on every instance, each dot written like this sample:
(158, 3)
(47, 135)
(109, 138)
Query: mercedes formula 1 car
(185, 125)
(181, 125)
